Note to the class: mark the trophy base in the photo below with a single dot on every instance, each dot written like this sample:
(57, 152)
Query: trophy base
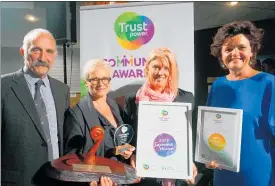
(71, 168)
(120, 149)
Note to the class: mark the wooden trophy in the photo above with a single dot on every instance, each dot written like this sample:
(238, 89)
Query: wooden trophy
(89, 167)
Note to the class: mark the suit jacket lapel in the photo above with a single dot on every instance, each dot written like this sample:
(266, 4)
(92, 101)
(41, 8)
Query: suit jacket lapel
(91, 118)
(89, 112)
(23, 94)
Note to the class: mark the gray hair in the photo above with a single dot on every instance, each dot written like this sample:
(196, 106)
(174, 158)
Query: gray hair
(31, 36)
(91, 66)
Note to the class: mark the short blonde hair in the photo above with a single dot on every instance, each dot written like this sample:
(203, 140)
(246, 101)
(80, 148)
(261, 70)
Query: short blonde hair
(165, 55)
(92, 65)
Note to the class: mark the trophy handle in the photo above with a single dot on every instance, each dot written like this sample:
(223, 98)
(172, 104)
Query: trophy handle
(96, 134)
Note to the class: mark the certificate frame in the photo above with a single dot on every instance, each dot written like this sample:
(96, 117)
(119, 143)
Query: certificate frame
(209, 140)
(149, 163)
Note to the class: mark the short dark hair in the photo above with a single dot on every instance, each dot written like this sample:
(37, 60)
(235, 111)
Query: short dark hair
(247, 28)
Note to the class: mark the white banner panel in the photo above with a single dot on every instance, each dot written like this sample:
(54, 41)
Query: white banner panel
(125, 34)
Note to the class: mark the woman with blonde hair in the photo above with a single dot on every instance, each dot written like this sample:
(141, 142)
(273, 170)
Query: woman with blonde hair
(95, 109)
(161, 85)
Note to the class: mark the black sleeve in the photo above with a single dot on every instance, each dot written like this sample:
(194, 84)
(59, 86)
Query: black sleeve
(74, 138)
(2, 110)
(130, 111)
(190, 97)
(125, 117)
(186, 97)
(68, 98)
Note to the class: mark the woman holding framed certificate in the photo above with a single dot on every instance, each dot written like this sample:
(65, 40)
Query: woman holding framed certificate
(161, 85)
(236, 46)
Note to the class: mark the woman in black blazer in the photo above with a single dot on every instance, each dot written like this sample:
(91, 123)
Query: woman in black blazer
(161, 84)
(94, 109)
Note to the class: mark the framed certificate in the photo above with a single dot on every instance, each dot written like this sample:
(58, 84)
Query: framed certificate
(219, 133)
(164, 140)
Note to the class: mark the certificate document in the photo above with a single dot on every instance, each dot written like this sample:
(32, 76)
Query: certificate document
(219, 133)
(164, 140)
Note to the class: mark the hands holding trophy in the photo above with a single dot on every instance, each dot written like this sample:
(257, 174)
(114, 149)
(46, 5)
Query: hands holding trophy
(89, 167)
(89, 131)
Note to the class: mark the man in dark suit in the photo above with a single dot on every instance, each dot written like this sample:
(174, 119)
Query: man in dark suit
(33, 107)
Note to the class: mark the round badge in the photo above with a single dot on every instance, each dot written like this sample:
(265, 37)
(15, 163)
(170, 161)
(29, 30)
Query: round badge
(216, 142)
(164, 145)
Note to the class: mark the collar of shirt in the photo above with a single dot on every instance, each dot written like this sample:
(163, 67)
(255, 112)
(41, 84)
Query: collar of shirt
(32, 78)
(101, 116)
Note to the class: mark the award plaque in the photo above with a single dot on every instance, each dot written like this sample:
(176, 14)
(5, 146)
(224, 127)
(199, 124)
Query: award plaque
(89, 167)
(123, 136)
(164, 140)
(219, 133)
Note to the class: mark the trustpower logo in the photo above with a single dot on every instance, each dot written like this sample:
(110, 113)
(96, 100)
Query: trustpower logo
(164, 116)
(133, 30)
(146, 167)
(218, 116)
(164, 113)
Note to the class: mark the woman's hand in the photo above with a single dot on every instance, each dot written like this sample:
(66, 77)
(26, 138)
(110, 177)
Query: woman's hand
(133, 160)
(104, 181)
(168, 182)
(133, 163)
(195, 173)
(172, 182)
(212, 165)
(127, 154)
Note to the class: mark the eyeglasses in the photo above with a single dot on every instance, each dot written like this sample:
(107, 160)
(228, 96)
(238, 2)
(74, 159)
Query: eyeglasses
(104, 80)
